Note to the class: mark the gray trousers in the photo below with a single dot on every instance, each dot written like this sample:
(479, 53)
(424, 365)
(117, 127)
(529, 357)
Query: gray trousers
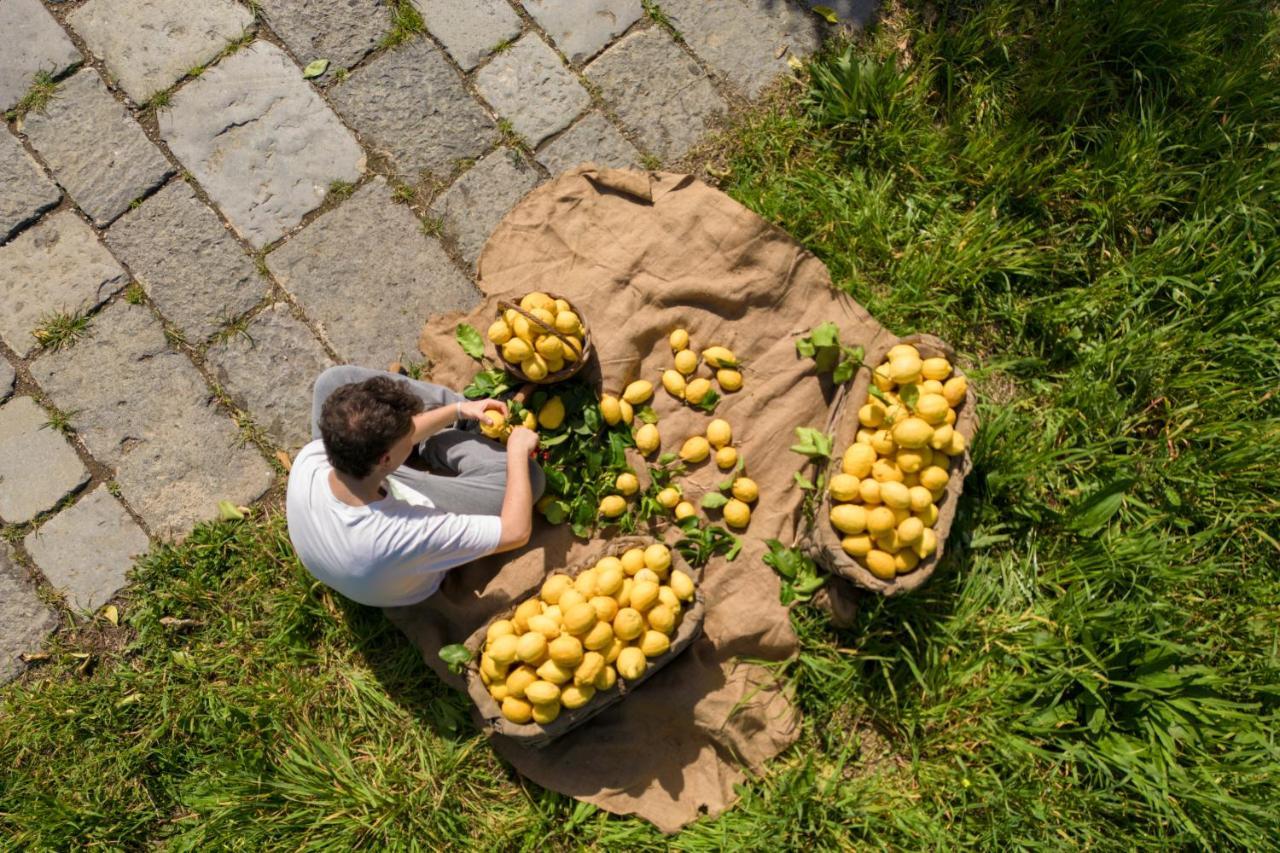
(477, 466)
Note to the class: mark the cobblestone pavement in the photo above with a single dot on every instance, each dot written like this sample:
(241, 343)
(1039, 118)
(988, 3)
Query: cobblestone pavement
(191, 227)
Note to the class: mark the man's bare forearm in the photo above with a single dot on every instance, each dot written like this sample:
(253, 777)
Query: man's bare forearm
(427, 424)
(517, 503)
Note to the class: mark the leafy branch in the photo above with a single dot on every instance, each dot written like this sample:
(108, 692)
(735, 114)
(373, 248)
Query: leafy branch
(822, 344)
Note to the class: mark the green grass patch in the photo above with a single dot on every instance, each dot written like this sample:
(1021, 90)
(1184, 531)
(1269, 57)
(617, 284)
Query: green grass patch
(1082, 198)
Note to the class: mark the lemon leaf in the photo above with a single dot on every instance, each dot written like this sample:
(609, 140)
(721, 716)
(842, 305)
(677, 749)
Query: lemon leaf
(315, 68)
(648, 415)
(470, 341)
(826, 13)
(111, 614)
(227, 511)
(713, 500)
(456, 657)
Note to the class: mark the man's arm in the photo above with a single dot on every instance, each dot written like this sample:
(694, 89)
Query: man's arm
(427, 424)
(517, 503)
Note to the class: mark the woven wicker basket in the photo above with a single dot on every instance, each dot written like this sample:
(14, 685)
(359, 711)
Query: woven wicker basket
(571, 368)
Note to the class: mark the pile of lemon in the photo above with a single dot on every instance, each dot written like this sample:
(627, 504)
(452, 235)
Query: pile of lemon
(538, 352)
(884, 500)
(579, 635)
(694, 390)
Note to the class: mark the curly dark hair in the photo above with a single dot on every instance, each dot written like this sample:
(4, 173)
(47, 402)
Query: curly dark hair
(359, 422)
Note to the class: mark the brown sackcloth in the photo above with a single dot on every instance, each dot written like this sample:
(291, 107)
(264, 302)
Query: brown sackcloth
(641, 254)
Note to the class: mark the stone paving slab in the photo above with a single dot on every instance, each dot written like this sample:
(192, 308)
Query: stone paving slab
(57, 265)
(476, 203)
(582, 28)
(143, 410)
(25, 619)
(469, 29)
(341, 31)
(592, 140)
(368, 277)
(657, 91)
(7, 379)
(86, 550)
(148, 45)
(37, 466)
(260, 140)
(269, 372)
(95, 148)
(33, 42)
(26, 191)
(529, 85)
(195, 272)
(409, 105)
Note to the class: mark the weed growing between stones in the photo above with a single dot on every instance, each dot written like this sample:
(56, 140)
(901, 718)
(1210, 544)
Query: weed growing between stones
(58, 330)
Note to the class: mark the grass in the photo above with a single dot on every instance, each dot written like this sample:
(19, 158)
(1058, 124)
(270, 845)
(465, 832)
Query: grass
(341, 189)
(61, 329)
(406, 24)
(1081, 198)
(42, 91)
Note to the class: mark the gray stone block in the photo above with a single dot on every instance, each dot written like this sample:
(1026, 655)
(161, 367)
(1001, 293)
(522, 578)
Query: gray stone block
(7, 379)
(57, 265)
(195, 272)
(477, 201)
(368, 277)
(27, 192)
(260, 140)
(657, 91)
(341, 31)
(148, 45)
(529, 85)
(143, 410)
(748, 41)
(410, 106)
(269, 372)
(86, 550)
(469, 29)
(95, 148)
(592, 140)
(582, 28)
(33, 42)
(37, 466)
(25, 620)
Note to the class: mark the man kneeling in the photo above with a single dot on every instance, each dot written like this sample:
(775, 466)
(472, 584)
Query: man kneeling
(366, 521)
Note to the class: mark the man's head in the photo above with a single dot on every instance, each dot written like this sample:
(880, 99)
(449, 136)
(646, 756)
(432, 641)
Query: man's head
(368, 425)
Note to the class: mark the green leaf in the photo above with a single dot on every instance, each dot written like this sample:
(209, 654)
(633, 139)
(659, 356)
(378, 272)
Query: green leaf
(456, 656)
(1093, 513)
(826, 13)
(648, 415)
(470, 341)
(802, 481)
(877, 393)
(315, 68)
(805, 348)
(227, 511)
(909, 394)
(668, 458)
(709, 402)
(826, 335)
(557, 512)
(713, 500)
(812, 443)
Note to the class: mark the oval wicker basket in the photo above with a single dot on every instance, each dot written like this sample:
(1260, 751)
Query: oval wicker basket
(570, 369)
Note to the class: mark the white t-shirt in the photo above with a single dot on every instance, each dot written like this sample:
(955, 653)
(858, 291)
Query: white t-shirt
(392, 552)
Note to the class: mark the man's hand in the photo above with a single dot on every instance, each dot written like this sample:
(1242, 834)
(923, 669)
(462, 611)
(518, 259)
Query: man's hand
(522, 441)
(474, 409)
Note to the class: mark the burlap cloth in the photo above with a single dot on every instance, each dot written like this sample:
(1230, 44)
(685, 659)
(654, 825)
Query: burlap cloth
(641, 254)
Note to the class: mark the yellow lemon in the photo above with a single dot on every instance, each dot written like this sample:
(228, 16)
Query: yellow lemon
(737, 513)
(516, 351)
(910, 530)
(647, 439)
(600, 636)
(957, 444)
(941, 438)
(644, 594)
(849, 518)
(880, 519)
(628, 624)
(684, 510)
(500, 628)
(934, 478)
(534, 367)
(631, 663)
(503, 649)
(884, 471)
(668, 497)
(856, 546)
(568, 323)
(935, 368)
(648, 574)
(682, 585)
(606, 679)
(954, 389)
(531, 647)
(871, 414)
(553, 672)
(546, 714)
(575, 696)
(686, 361)
(580, 618)
(726, 458)
(894, 495)
(912, 432)
(901, 349)
(609, 579)
(612, 506)
(745, 490)
(537, 299)
(516, 710)
(881, 564)
(632, 561)
(610, 410)
(565, 650)
(661, 619)
(551, 415)
(679, 340)
(673, 381)
(527, 608)
(927, 545)
(719, 357)
(919, 498)
(624, 595)
(719, 433)
(522, 329)
(869, 491)
(628, 413)
(695, 449)
(637, 392)
(844, 487)
(518, 680)
(544, 316)
(499, 692)
(932, 408)
(544, 625)
(857, 460)
(541, 692)
(697, 390)
(590, 668)
(627, 483)
(606, 606)
(905, 369)
(549, 347)
(882, 379)
(905, 560)
(499, 331)
(658, 558)
(730, 380)
(864, 435)
(573, 348)
(568, 599)
(882, 442)
(654, 643)
(911, 461)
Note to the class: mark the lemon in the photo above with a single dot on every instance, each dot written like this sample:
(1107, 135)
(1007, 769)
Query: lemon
(516, 710)
(673, 381)
(580, 618)
(726, 458)
(549, 347)
(628, 413)
(589, 670)
(544, 625)
(609, 580)
(935, 369)
(551, 415)
(905, 560)
(546, 714)
(515, 350)
(606, 606)
(668, 497)
(562, 305)
(901, 349)
(585, 583)
(648, 574)
(856, 546)
(686, 361)
(569, 598)
(927, 545)
(880, 519)
(555, 365)
(541, 692)
(527, 608)
(654, 643)
(951, 418)
(934, 478)
(627, 483)
(930, 386)
(957, 444)
(719, 357)
(844, 487)
(911, 461)
(647, 439)
(737, 513)
(491, 669)
(905, 369)
(745, 490)
(534, 367)
(518, 680)
(637, 392)
(719, 433)
(941, 437)
(606, 679)
(857, 460)
(631, 663)
(537, 299)
(522, 330)
(575, 696)
(910, 530)
(882, 379)
(684, 510)
(697, 390)
(553, 672)
(503, 649)
(730, 380)
(500, 628)
(695, 449)
(544, 316)
(894, 495)
(849, 518)
(600, 636)
(612, 506)
(661, 619)
(864, 435)
(628, 624)
(880, 564)
(658, 558)
(668, 597)
(871, 414)
(682, 585)
(499, 332)
(568, 323)
(530, 421)
(869, 491)
(882, 442)
(610, 410)
(644, 594)
(954, 389)
(573, 348)
(919, 498)
(632, 561)
(884, 471)
(608, 562)
(554, 614)
(624, 595)
(679, 340)
(912, 432)
(499, 692)
(932, 408)
(531, 647)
